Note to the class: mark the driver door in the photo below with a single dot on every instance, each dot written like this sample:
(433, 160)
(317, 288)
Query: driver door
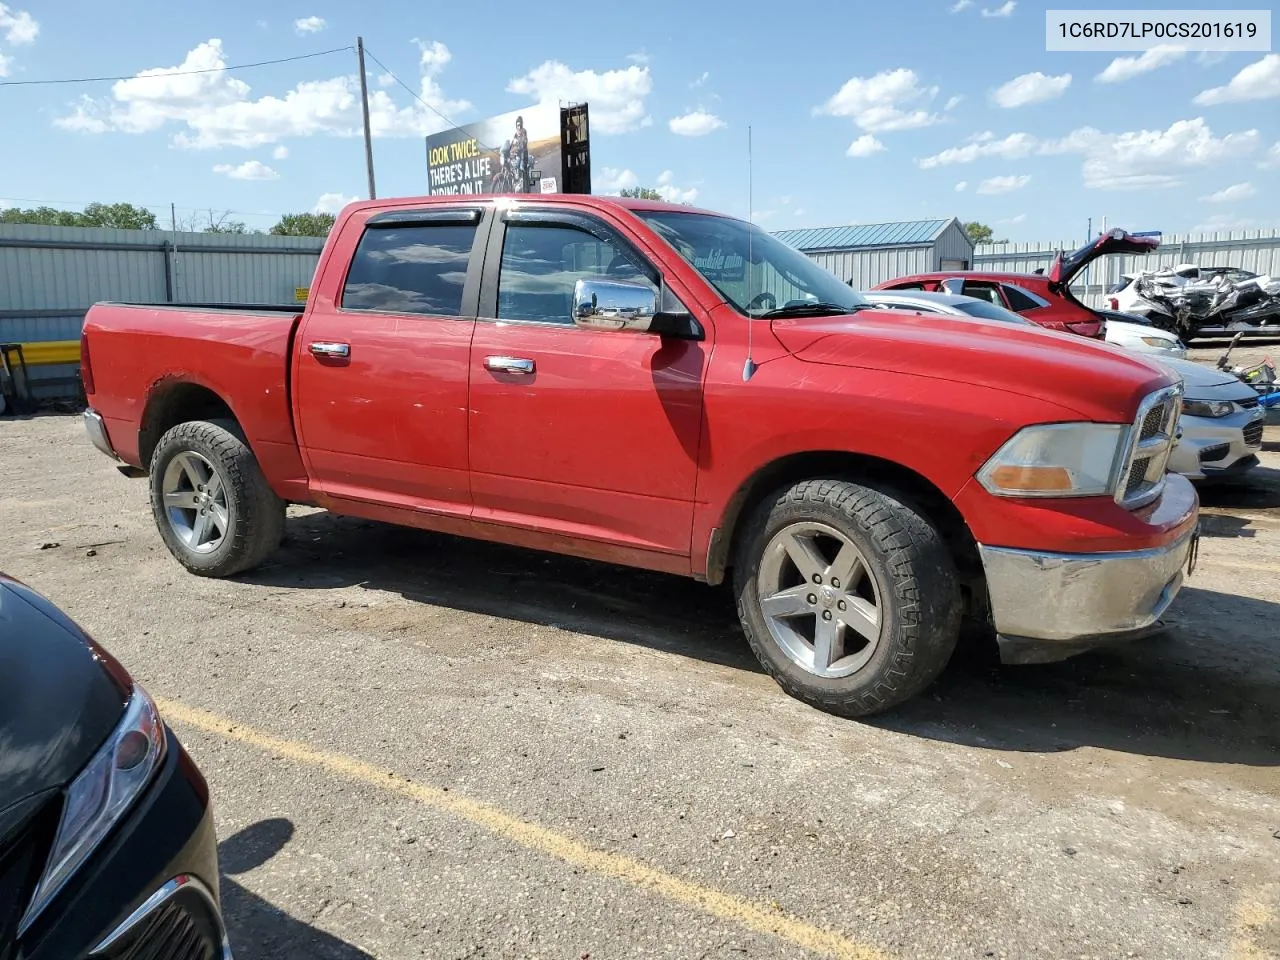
(589, 434)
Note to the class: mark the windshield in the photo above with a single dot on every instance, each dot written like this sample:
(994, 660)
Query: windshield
(989, 311)
(755, 272)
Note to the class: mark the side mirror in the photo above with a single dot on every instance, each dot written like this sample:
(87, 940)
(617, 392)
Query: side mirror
(600, 304)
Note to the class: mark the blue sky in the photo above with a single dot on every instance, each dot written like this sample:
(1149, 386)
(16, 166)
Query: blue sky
(861, 112)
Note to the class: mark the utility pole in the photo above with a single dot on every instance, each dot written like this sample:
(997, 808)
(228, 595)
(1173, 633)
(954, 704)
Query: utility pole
(364, 106)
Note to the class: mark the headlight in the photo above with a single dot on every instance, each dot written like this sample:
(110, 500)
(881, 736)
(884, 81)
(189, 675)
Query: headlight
(101, 795)
(1213, 409)
(1160, 343)
(1057, 460)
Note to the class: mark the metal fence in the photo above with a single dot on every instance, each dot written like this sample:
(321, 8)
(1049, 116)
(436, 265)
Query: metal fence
(1255, 250)
(49, 277)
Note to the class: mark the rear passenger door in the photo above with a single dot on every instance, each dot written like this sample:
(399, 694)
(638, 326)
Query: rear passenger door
(380, 378)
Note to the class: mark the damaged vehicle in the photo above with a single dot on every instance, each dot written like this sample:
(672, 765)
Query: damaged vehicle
(1191, 300)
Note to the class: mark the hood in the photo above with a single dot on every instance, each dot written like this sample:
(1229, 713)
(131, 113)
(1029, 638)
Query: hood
(1088, 377)
(60, 696)
(1207, 383)
(1064, 269)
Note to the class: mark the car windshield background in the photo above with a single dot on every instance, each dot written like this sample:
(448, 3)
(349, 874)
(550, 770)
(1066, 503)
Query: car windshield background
(989, 311)
(541, 263)
(753, 271)
(415, 269)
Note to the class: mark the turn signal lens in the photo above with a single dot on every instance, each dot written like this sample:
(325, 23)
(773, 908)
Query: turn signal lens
(1031, 479)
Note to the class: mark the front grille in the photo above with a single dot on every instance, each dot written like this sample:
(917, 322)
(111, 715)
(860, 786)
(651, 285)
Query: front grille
(179, 929)
(22, 857)
(1151, 441)
(1253, 434)
(1248, 404)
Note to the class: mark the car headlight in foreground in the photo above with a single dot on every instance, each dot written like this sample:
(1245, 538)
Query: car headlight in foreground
(101, 795)
(1213, 409)
(1057, 460)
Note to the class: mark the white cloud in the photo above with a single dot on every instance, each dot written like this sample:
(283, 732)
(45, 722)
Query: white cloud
(1257, 81)
(960, 5)
(696, 124)
(883, 102)
(1011, 221)
(1237, 191)
(953, 102)
(703, 78)
(280, 153)
(962, 186)
(1004, 10)
(332, 202)
(864, 146)
(1013, 147)
(798, 211)
(616, 96)
(611, 180)
(1031, 88)
(640, 56)
(1272, 159)
(386, 80)
(996, 185)
(249, 170)
(1207, 58)
(19, 26)
(310, 25)
(1134, 159)
(5, 64)
(215, 109)
(671, 193)
(1126, 68)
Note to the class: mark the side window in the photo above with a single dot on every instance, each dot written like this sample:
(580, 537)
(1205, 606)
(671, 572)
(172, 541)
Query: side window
(914, 285)
(1019, 301)
(542, 262)
(982, 291)
(410, 269)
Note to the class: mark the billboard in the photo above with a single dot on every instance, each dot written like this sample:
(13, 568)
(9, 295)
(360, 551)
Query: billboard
(518, 152)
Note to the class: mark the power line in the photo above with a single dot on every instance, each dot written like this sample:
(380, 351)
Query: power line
(178, 73)
(413, 93)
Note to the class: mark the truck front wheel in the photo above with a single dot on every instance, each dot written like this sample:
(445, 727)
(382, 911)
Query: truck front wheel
(847, 595)
(213, 507)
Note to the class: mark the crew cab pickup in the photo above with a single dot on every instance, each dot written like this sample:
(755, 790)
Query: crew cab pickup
(668, 388)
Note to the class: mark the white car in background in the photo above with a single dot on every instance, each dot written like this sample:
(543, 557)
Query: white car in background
(1221, 425)
(1131, 333)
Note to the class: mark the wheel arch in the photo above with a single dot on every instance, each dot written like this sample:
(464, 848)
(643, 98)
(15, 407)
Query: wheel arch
(172, 402)
(906, 484)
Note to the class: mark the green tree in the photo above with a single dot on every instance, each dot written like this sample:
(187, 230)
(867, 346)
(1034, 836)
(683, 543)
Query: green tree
(122, 216)
(640, 193)
(304, 225)
(979, 232)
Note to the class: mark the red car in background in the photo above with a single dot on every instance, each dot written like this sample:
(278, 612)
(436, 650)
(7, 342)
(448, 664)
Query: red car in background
(1043, 298)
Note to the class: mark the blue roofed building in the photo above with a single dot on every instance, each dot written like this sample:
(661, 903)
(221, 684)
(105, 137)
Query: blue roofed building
(871, 253)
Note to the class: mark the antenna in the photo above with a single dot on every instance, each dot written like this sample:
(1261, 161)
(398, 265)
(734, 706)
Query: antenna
(749, 366)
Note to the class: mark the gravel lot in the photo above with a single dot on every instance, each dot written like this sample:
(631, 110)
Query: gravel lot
(423, 747)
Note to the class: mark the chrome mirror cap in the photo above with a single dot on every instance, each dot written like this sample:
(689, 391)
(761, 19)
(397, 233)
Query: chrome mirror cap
(600, 304)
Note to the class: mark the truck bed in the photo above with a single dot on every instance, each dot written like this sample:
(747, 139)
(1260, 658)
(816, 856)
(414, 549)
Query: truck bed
(141, 353)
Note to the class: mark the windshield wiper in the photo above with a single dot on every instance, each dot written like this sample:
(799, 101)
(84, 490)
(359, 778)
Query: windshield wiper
(817, 308)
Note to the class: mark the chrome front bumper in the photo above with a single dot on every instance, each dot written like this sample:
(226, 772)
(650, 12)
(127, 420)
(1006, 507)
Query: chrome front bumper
(96, 428)
(1050, 606)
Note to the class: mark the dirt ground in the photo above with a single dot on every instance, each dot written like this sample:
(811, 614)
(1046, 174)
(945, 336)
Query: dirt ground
(423, 747)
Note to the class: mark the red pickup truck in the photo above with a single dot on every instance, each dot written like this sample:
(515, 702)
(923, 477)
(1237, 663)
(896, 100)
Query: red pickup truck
(668, 388)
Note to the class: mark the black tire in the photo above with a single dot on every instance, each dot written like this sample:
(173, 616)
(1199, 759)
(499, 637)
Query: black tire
(914, 577)
(255, 514)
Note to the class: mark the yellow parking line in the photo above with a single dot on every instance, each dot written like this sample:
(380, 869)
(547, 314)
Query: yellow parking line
(725, 906)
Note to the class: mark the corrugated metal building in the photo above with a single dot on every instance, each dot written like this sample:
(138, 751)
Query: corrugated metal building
(870, 253)
(49, 277)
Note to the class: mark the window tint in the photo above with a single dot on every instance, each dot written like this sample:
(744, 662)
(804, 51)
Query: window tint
(907, 286)
(983, 291)
(1021, 301)
(542, 262)
(412, 269)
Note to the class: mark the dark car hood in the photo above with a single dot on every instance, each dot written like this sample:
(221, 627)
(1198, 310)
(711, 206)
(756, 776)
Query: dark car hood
(60, 696)
(1084, 376)
(1064, 269)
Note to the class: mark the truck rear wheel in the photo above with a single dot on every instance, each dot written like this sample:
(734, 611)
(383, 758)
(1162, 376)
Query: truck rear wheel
(847, 595)
(213, 507)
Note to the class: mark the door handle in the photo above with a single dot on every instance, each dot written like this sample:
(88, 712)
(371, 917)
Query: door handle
(518, 365)
(335, 350)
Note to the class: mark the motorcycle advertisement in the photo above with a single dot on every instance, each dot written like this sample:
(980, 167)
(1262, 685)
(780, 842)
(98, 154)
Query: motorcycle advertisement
(517, 152)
